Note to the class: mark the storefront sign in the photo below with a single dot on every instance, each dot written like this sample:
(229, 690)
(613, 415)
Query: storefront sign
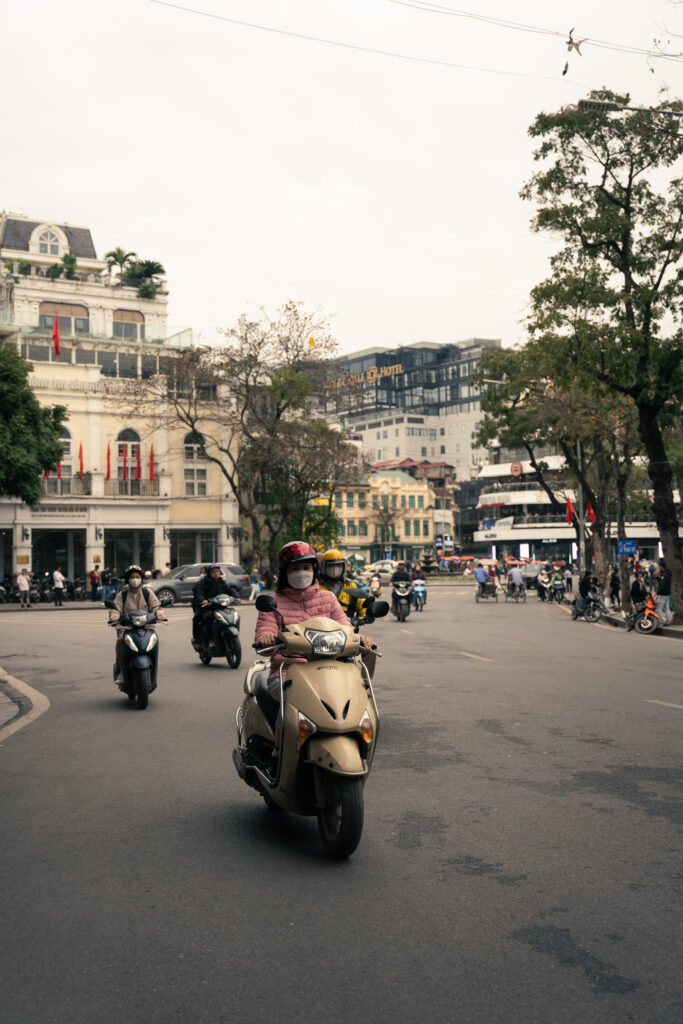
(22, 559)
(63, 511)
(105, 387)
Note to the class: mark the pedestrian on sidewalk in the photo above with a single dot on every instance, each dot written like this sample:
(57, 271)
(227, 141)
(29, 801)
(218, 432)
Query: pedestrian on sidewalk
(255, 581)
(614, 586)
(94, 580)
(58, 581)
(663, 599)
(24, 588)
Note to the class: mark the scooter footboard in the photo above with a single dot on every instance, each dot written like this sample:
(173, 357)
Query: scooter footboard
(339, 754)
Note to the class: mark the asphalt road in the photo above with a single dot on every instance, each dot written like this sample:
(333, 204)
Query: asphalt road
(520, 862)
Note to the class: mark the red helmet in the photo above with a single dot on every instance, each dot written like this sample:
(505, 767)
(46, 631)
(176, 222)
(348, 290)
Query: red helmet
(295, 551)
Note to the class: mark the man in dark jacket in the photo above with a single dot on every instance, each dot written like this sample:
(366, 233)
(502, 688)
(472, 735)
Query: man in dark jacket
(210, 586)
(400, 575)
(663, 592)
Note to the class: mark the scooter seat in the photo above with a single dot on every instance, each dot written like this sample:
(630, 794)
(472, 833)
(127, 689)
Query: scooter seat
(269, 706)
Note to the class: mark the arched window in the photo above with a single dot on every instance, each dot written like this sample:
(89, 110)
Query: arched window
(194, 474)
(72, 319)
(128, 323)
(127, 445)
(48, 243)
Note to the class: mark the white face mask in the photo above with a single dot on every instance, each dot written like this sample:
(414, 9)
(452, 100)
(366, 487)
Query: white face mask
(334, 571)
(300, 578)
(135, 581)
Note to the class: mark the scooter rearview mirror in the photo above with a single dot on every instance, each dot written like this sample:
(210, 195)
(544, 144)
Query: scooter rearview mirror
(109, 604)
(378, 609)
(265, 603)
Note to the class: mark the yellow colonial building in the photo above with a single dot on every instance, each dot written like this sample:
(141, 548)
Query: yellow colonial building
(130, 487)
(389, 516)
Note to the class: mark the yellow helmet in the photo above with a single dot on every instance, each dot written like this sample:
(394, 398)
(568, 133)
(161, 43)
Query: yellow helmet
(332, 563)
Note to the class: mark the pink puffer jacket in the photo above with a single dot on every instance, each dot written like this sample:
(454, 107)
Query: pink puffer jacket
(296, 606)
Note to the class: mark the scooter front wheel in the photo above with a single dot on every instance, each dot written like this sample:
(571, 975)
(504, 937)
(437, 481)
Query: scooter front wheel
(646, 624)
(592, 613)
(234, 656)
(340, 823)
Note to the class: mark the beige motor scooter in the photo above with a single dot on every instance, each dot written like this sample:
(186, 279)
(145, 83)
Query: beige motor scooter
(329, 731)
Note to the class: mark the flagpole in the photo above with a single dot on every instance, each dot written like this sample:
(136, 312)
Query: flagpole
(582, 535)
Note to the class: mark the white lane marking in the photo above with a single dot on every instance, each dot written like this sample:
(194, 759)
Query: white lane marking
(411, 631)
(664, 704)
(477, 657)
(39, 704)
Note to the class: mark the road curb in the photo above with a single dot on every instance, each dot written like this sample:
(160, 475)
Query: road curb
(30, 704)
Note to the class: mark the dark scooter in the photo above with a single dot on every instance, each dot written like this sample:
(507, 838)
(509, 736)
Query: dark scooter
(139, 655)
(224, 630)
(402, 599)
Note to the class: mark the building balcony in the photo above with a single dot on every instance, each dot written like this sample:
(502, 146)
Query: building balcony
(67, 487)
(131, 488)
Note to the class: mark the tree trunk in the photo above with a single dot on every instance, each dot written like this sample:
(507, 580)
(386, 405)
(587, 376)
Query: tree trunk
(600, 552)
(624, 575)
(659, 471)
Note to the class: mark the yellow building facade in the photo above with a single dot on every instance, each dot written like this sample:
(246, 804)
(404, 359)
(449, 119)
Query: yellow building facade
(390, 516)
(130, 487)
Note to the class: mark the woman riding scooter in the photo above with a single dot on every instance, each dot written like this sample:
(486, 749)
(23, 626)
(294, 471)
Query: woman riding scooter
(133, 598)
(299, 597)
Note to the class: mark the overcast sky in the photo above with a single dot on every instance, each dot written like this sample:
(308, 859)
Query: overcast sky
(258, 167)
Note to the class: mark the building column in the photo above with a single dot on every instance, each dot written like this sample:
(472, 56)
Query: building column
(22, 556)
(162, 545)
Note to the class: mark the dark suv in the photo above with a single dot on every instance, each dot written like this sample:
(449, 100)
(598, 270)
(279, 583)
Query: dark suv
(179, 582)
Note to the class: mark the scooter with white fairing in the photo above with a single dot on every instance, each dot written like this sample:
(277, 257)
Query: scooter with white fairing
(327, 722)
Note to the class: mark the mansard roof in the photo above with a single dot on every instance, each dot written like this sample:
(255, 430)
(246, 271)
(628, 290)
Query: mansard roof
(15, 233)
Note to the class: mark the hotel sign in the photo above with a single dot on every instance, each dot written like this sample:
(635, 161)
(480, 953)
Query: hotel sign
(369, 376)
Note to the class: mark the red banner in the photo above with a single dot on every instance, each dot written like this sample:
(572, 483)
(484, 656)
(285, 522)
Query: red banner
(55, 336)
(80, 460)
(125, 461)
(59, 471)
(138, 472)
(151, 462)
(108, 477)
(590, 513)
(570, 511)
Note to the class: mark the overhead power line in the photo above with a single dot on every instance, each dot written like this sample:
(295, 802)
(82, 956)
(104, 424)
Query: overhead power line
(358, 47)
(517, 26)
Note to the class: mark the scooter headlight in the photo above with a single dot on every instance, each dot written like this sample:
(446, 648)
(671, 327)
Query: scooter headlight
(139, 620)
(305, 729)
(365, 726)
(153, 641)
(128, 640)
(324, 642)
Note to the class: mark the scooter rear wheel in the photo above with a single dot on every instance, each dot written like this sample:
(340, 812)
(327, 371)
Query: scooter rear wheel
(592, 613)
(340, 823)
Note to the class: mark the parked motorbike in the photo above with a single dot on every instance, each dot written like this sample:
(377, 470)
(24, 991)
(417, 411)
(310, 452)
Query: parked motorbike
(330, 724)
(644, 619)
(139, 655)
(592, 608)
(79, 589)
(44, 588)
(402, 599)
(224, 633)
(419, 594)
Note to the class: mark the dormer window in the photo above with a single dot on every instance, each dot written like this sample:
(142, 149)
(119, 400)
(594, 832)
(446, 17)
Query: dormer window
(48, 243)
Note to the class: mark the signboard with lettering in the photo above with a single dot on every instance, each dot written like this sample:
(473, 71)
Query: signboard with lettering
(627, 547)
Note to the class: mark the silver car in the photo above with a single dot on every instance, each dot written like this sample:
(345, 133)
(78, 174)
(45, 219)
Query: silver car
(178, 584)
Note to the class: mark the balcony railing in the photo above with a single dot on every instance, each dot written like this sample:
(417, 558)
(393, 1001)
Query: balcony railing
(131, 488)
(71, 486)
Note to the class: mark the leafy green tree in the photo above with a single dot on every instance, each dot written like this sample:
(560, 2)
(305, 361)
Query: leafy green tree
(613, 304)
(54, 271)
(69, 264)
(250, 403)
(29, 432)
(138, 272)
